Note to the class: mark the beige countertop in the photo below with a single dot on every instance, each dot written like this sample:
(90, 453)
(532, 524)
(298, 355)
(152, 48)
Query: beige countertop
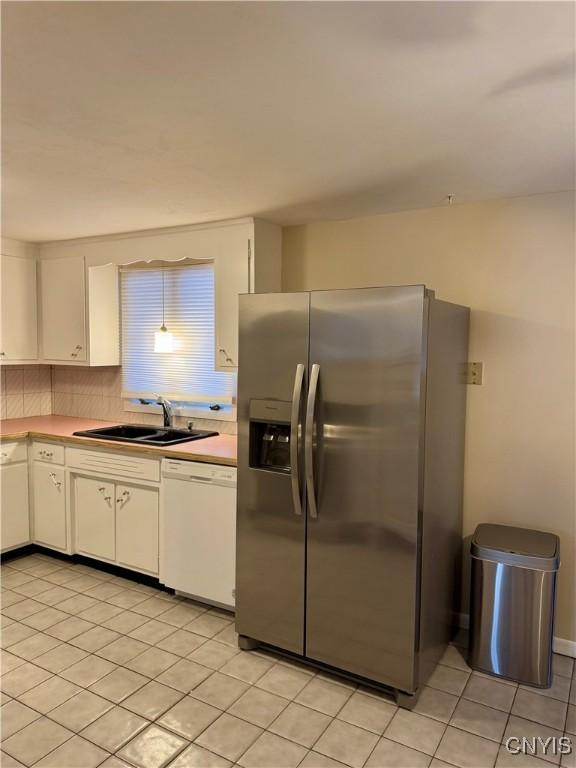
(211, 450)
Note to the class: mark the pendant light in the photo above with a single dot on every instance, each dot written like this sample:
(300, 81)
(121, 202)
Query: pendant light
(163, 339)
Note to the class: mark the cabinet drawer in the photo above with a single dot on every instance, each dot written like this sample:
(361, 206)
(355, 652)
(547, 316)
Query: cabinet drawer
(13, 452)
(122, 464)
(54, 454)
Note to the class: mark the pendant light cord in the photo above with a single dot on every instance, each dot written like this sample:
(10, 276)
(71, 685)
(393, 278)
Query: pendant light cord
(163, 318)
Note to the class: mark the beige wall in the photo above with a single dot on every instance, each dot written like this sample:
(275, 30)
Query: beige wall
(512, 262)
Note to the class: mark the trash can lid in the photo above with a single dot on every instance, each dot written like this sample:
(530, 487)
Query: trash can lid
(516, 546)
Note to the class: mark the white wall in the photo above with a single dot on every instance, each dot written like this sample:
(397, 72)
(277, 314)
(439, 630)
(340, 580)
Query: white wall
(512, 262)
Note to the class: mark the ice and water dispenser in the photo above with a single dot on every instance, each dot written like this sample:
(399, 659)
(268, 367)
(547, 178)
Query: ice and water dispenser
(270, 435)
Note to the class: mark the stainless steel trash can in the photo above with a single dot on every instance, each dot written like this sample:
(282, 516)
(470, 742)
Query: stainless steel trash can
(512, 603)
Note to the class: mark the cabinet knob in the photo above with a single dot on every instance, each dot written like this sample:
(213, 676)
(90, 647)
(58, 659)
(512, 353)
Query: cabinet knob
(123, 498)
(57, 483)
(2, 353)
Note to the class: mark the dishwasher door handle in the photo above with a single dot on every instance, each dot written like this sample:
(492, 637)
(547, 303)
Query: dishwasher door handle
(188, 478)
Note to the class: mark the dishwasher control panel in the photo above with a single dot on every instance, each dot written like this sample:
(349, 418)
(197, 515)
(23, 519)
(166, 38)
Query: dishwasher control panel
(195, 471)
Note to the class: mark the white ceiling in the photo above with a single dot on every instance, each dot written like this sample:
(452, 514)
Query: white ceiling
(120, 116)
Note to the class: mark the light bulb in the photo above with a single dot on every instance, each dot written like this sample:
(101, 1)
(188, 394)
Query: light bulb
(163, 340)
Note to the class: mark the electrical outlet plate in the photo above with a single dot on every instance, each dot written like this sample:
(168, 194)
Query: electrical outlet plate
(474, 373)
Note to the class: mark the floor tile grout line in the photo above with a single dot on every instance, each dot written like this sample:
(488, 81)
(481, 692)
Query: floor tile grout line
(119, 703)
(211, 670)
(52, 750)
(123, 634)
(167, 728)
(147, 620)
(324, 729)
(184, 695)
(502, 742)
(166, 596)
(150, 679)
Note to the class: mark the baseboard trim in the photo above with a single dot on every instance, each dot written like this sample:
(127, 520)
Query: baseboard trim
(559, 644)
(99, 565)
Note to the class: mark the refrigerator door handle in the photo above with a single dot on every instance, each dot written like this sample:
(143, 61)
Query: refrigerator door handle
(295, 439)
(309, 440)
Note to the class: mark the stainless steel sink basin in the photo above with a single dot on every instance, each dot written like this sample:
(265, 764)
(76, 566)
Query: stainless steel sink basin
(147, 435)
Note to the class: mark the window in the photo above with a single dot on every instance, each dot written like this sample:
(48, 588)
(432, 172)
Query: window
(187, 374)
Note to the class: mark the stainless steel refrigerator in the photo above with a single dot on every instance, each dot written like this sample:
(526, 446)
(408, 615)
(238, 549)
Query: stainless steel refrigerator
(351, 409)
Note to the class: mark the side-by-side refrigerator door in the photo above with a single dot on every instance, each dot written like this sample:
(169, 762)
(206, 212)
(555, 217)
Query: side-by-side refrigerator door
(363, 432)
(271, 523)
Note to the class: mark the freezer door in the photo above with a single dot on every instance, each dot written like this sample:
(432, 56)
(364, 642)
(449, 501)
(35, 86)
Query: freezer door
(366, 351)
(271, 525)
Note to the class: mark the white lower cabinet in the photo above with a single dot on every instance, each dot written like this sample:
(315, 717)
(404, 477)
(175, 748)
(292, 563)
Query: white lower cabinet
(49, 505)
(101, 504)
(94, 514)
(117, 522)
(15, 519)
(137, 527)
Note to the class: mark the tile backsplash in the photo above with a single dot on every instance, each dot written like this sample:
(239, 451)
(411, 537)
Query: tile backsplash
(92, 393)
(95, 393)
(25, 391)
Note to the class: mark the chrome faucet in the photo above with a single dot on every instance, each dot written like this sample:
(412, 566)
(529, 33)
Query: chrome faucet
(167, 410)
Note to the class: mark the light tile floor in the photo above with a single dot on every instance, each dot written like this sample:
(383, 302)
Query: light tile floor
(98, 670)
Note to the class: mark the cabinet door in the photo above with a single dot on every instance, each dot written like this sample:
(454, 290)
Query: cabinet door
(15, 521)
(137, 527)
(231, 278)
(19, 324)
(63, 308)
(49, 506)
(94, 516)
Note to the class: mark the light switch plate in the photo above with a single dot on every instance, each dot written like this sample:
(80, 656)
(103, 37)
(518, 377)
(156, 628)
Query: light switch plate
(474, 373)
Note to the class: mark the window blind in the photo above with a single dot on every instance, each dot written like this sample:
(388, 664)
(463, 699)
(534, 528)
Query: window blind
(187, 373)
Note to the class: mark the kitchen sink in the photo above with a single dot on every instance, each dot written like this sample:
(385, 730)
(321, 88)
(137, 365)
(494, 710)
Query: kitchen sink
(145, 435)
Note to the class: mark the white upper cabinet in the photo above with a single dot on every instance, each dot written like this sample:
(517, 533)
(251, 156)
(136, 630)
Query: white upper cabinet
(63, 309)
(19, 340)
(78, 312)
(231, 278)
(248, 261)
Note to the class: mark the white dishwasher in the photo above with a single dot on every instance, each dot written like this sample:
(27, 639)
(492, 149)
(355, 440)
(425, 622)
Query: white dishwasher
(198, 536)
